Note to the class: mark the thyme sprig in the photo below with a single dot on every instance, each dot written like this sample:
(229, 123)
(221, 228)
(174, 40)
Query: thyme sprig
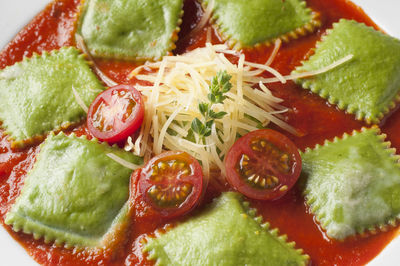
(220, 85)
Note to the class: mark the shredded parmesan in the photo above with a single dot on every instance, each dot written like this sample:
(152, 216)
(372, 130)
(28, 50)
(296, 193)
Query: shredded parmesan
(79, 100)
(277, 46)
(180, 83)
(81, 45)
(324, 69)
(304, 74)
(130, 145)
(205, 18)
(268, 69)
(123, 162)
(203, 22)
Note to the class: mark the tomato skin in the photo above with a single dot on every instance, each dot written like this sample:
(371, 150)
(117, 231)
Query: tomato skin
(121, 127)
(168, 173)
(285, 173)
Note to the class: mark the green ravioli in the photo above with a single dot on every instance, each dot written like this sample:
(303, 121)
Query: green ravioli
(37, 97)
(366, 86)
(248, 23)
(75, 194)
(353, 184)
(226, 233)
(130, 29)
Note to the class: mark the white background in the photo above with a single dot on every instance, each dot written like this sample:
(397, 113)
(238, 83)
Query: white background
(15, 14)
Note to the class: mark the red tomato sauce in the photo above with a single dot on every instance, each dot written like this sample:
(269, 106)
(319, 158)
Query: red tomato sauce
(313, 117)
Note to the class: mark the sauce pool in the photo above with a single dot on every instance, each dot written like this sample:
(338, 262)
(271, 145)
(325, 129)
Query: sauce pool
(312, 116)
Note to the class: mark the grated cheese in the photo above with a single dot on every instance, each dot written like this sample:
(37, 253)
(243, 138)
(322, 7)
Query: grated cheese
(123, 162)
(180, 83)
(277, 46)
(268, 69)
(80, 43)
(324, 69)
(79, 100)
(304, 74)
(205, 18)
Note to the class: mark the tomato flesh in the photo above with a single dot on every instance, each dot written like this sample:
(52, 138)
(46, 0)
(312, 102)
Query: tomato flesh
(116, 113)
(171, 184)
(263, 164)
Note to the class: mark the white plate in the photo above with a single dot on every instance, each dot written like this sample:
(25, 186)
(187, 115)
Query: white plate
(15, 14)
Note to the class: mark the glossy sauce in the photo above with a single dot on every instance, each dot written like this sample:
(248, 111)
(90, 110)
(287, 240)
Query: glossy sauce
(312, 116)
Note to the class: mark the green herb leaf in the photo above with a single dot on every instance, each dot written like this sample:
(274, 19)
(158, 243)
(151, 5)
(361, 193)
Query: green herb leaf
(209, 124)
(215, 115)
(197, 126)
(207, 132)
(220, 115)
(172, 132)
(212, 97)
(220, 84)
(258, 123)
(203, 108)
(190, 136)
(211, 113)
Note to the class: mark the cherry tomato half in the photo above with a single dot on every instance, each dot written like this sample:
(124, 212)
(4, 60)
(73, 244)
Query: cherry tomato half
(116, 113)
(171, 183)
(263, 164)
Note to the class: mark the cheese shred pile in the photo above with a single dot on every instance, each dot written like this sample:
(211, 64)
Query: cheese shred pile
(179, 83)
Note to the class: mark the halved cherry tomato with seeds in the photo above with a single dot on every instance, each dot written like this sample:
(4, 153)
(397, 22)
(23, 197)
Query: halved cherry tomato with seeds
(171, 183)
(116, 113)
(263, 164)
